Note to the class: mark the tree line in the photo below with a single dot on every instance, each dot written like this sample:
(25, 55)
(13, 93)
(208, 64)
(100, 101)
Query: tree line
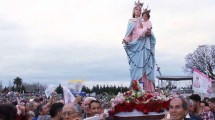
(98, 89)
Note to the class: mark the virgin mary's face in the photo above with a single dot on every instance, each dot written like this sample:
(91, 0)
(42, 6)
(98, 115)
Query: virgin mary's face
(137, 11)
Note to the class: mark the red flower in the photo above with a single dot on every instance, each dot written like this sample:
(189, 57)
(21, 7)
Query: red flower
(145, 111)
(148, 96)
(134, 85)
(157, 110)
(140, 107)
(134, 82)
(112, 112)
(135, 88)
(129, 107)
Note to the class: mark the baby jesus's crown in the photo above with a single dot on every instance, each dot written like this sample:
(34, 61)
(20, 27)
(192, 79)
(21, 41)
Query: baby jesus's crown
(146, 10)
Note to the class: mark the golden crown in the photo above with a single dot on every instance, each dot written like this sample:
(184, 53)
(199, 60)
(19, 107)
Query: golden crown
(146, 10)
(138, 4)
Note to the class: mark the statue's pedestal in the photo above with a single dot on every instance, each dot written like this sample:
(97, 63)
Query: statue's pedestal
(136, 115)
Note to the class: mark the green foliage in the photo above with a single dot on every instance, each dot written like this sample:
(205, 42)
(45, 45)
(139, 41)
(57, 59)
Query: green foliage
(59, 89)
(5, 90)
(12, 88)
(86, 89)
(17, 81)
(18, 87)
(112, 90)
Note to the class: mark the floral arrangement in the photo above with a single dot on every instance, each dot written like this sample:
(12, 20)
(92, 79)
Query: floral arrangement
(140, 100)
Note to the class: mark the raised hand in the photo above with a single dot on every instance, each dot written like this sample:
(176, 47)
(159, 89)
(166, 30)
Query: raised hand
(149, 32)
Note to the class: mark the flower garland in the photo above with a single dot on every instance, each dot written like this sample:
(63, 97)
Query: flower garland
(139, 100)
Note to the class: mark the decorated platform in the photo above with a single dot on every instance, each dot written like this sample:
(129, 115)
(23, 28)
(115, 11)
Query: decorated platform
(137, 104)
(137, 115)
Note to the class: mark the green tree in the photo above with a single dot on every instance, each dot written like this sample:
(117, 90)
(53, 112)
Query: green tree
(94, 89)
(112, 90)
(1, 85)
(59, 89)
(5, 90)
(86, 89)
(12, 88)
(18, 84)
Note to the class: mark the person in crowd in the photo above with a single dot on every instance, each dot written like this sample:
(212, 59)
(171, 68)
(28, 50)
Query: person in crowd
(37, 100)
(204, 105)
(8, 112)
(56, 111)
(190, 108)
(85, 106)
(30, 115)
(78, 99)
(96, 109)
(198, 110)
(196, 99)
(29, 106)
(43, 112)
(78, 102)
(44, 109)
(70, 112)
(35, 105)
(20, 111)
(179, 109)
(212, 106)
(206, 99)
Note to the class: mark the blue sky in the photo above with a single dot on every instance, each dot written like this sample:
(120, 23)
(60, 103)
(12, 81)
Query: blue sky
(53, 41)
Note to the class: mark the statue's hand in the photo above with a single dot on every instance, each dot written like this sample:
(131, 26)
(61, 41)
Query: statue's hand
(149, 32)
(141, 25)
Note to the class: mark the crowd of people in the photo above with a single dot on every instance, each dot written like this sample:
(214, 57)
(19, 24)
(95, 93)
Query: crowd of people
(191, 108)
(20, 107)
(15, 106)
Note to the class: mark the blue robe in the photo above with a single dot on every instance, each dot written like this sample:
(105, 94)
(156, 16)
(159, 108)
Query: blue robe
(140, 53)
